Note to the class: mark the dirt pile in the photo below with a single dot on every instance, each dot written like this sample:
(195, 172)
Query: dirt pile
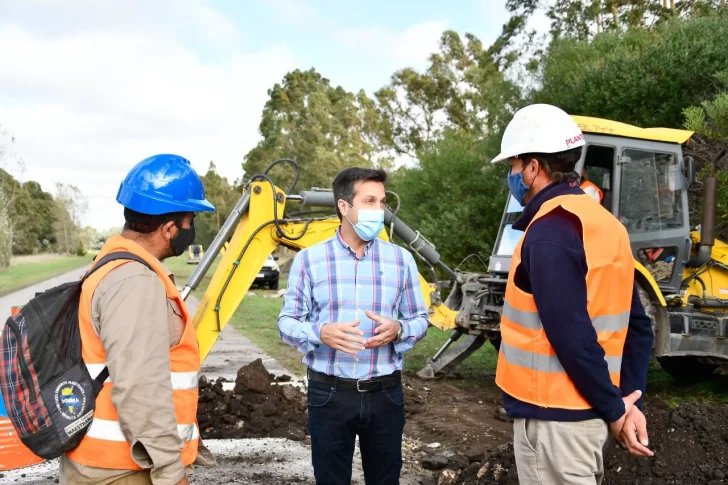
(690, 444)
(255, 408)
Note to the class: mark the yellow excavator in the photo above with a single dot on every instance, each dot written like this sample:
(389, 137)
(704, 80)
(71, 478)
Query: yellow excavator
(681, 272)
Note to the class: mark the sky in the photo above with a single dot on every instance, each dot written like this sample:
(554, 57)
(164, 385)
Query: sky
(89, 88)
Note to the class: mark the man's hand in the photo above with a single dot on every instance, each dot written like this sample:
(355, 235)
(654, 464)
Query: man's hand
(386, 331)
(184, 481)
(343, 336)
(616, 426)
(634, 434)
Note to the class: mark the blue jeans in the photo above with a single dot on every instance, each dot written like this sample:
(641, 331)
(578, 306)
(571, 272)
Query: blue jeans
(336, 417)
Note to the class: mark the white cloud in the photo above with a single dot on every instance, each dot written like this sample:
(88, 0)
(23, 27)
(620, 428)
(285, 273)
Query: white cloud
(91, 87)
(410, 47)
(89, 91)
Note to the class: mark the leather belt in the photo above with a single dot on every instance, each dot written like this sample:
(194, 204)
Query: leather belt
(361, 385)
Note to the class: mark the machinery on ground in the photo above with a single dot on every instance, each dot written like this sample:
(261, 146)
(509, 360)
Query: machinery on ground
(682, 274)
(195, 254)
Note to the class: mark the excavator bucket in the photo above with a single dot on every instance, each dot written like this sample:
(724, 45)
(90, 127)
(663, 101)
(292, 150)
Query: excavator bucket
(441, 362)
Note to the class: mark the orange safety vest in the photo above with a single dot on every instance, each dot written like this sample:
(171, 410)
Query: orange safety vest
(589, 183)
(528, 368)
(104, 445)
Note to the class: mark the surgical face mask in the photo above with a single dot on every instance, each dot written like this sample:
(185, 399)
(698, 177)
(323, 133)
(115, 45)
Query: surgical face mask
(370, 223)
(516, 185)
(184, 238)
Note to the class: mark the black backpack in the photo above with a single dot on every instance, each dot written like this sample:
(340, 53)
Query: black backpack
(49, 394)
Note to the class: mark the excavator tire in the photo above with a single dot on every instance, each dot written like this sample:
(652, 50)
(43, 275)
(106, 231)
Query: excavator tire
(688, 369)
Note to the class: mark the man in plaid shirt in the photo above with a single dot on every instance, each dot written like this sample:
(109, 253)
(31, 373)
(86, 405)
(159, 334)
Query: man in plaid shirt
(353, 307)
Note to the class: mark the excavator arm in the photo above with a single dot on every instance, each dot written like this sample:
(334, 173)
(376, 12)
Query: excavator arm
(256, 226)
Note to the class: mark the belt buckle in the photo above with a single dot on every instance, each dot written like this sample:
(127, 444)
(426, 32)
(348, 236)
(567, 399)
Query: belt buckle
(357, 385)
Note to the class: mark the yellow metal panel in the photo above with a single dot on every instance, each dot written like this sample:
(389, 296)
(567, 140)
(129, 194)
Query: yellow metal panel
(615, 128)
(715, 279)
(651, 281)
(245, 270)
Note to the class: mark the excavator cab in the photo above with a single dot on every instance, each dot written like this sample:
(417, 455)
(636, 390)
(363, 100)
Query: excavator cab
(644, 178)
(645, 186)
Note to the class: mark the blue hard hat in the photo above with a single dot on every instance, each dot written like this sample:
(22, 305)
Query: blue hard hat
(161, 184)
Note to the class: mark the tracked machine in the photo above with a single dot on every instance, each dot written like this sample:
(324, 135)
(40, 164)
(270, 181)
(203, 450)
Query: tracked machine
(681, 273)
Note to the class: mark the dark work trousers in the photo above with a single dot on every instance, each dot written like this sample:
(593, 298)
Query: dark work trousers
(335, 417)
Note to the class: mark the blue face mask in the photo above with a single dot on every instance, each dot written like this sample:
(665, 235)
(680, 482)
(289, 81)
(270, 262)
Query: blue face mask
(370, 223)
(516, 185)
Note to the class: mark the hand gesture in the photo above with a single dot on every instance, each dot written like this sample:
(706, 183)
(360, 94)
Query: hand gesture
(634, 422)
(386, 331)
(343, 336)
(634, 434)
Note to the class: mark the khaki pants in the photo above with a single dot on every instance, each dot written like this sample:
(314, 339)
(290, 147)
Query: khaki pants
(138, 478)
(556, 452)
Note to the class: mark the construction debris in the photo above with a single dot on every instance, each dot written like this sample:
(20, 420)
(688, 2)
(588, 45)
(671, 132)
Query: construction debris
(255, 408)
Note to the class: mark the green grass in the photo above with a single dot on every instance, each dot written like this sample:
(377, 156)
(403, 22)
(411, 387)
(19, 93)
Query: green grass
(23, 274)
(661, 385)
(479, 362)
(257, 318)
(182, 271)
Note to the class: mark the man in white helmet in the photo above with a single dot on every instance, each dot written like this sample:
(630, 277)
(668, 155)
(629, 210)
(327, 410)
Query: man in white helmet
(575, 338)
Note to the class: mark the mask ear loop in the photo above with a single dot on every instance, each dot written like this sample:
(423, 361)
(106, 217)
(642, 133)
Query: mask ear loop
(347, 215)
(530, 186)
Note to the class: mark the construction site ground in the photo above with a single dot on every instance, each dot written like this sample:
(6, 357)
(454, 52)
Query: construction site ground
(252, 415)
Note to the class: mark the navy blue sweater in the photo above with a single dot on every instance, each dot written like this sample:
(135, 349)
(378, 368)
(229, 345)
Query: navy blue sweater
(553, 270)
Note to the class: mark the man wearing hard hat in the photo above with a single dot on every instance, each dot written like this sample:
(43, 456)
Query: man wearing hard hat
(576, 341)
(135, 326)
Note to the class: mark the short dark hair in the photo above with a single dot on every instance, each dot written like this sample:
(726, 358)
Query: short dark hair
(146, 223)
(344, 182)
(560, 167)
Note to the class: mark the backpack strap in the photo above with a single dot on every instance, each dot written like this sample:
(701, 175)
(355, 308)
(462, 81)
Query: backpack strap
(113, 256)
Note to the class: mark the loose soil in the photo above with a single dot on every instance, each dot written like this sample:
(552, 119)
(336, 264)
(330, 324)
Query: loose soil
(690, 444)
(456, 433)
(456, 413)
(255, 408)
(436, 410)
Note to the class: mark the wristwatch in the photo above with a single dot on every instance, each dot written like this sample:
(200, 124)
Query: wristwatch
(400, 333)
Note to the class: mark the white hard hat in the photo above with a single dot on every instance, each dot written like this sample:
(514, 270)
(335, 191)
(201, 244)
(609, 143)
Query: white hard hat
(539, 128)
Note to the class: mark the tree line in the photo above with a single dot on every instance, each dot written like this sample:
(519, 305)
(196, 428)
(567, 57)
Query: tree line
(35, 221)
(644, 62)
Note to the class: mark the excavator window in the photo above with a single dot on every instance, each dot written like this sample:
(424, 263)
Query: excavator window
(651, 191)
(599, 166)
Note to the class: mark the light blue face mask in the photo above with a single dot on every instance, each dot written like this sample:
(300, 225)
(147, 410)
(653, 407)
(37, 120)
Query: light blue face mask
(517, 186)
(370, 224)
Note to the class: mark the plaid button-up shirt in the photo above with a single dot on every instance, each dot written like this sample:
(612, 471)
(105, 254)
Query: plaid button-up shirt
(329, 283)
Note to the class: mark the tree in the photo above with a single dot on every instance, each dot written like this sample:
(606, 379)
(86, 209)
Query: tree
(71, 204)
(643, 77)
(6, 198)
(461, 89)
(224, 197)
(710, 122)
(324, 128)
(454, 197)
(30, 211)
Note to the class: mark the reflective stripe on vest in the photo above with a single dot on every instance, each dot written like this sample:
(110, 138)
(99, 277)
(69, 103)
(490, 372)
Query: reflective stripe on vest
(111, 430)
(528, 368)
(531, 320)
(180, 380)
(104, 444)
